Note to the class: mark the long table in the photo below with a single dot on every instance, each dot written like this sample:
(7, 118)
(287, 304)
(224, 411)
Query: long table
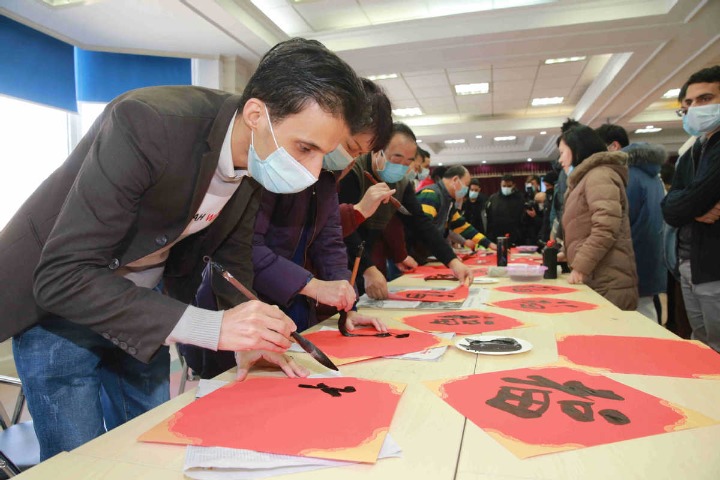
(438, 442)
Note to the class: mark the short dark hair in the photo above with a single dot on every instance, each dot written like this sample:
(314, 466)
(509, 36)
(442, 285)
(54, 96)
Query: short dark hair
(706, 75)
(455, 171)
(424, 153)
(613, 133)
(583, 142)
(507, 178)
(438, 173)
(380, 115)
(475, 182)
(530, 178)
(298, 71)
(567, 125)
(667, 172)
(401, 128)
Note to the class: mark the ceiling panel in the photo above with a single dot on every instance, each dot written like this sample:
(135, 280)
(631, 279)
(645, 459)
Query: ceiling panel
(561, 69)
(515, 73)
(431, 79)
(469, 76)
(426, 92)
(342, 14)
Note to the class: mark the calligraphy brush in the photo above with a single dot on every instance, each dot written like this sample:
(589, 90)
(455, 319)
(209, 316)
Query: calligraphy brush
(342, 322)
(393, 200)
(306, 344)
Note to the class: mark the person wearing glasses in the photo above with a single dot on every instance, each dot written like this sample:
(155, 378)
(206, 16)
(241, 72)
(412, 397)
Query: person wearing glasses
(693, 206)
(390, 166)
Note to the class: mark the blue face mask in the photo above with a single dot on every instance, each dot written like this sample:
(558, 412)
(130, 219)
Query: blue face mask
(473, 195)
(337, 160)
(412, 174)
(392, 172)
(279, 172)
(462, 192)
(701, 120)
(506, 190)
(423, 174)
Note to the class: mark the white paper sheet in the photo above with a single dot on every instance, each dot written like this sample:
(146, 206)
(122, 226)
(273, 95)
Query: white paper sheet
(431, 354)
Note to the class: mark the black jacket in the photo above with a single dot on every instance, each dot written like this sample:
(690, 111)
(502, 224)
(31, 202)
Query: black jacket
(504, 215)
(695, 190)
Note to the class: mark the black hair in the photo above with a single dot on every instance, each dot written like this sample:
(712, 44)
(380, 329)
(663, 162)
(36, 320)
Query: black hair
(438, 173)
(706, 75)
(530, 178)
(297, 72)
(380, 115)
(683, 92)
(424, 153)
(667, 172)
(475, 182)
(455, 171)
(507, 178)
(567, 125)
(583, 142)
(613, 133)
(401, 128)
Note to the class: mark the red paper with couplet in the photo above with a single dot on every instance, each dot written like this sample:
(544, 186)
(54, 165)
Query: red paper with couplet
(457, 294)
(545, 305)
(464, 322)
(535, 289)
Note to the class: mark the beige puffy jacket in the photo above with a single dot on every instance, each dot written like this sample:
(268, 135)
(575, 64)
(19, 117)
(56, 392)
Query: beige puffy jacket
(597, 228)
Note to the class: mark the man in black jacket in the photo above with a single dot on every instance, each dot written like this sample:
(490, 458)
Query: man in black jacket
(693, 205)
(505, 210)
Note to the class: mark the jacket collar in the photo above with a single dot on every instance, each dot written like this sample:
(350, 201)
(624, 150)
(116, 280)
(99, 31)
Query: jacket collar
(615, 160)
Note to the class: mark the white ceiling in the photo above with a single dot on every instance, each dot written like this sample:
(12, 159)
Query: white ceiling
(635, 50)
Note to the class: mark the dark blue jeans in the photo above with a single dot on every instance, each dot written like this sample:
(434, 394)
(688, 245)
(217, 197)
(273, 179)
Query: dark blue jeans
(78, 384)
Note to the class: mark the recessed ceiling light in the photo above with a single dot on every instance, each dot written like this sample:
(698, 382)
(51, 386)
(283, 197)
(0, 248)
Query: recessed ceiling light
(672, 93)
(418, 141)
(529, 159)
(455, 140)
(440, 164)
(472, 88)
(508, 138)
(407, 112)
(63, 3)
(543, 132)
(539, 102)
(484, 161)
(384, 76)
(478, 136)
(648, 129)
(550, 61)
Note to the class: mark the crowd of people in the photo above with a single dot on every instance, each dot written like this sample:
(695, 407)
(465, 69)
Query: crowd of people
(286, 186)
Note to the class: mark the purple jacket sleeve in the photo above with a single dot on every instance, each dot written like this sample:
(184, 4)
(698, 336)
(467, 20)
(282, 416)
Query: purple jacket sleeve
(328, 253)
(277, 278)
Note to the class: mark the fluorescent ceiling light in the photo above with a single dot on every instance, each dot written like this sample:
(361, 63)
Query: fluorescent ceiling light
(484, 161)
(478, 136)
(529, 159)
(672, 93)
(407, 112)
(508, 138)
(440, 164)
(648, 129)
(539, 102)
(543, 132)
(418, 141)
(472, 88)
(63, 3)
(383, 76)
(551, 61)
(456, 140)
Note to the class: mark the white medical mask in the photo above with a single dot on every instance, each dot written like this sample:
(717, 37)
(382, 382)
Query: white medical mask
(391, 172)
(701, 120)
(423, 174)
(412, 174)
(337, 160)
(473, 195)
(279, 172)
(506, 190)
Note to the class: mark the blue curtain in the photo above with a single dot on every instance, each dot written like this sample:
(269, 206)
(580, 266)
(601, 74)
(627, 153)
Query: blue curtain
(35, 66)
(103, 76)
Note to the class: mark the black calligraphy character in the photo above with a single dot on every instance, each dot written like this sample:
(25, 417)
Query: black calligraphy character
(444, 321)
(523, 404)
(332, 391)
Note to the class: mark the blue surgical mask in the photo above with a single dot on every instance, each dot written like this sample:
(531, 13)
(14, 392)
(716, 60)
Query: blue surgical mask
(392, 172)
(279, 172)
(462, 192)
(337, 160)
(473, 195)
(701, 120)
(506, 190)
(423, 174)
(412, 174)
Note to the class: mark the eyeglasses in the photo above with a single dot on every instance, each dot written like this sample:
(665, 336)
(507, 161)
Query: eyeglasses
(680, 112)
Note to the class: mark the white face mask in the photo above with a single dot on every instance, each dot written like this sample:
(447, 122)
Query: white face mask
(279, 172)
(423, 174)
(506, 190)
(701, 120)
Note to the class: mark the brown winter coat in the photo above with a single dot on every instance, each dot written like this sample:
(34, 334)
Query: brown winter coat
(597, 228)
